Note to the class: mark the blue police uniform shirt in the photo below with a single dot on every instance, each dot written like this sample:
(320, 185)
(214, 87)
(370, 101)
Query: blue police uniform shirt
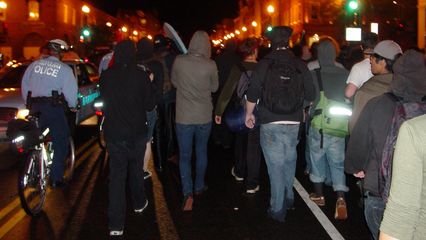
(50, 74)
(103, 65)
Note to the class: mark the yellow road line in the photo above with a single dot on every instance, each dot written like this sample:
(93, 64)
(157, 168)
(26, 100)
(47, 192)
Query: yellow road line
(9, 207)
(11, 223)
(16, 202)
(165, 222)
(82, 147)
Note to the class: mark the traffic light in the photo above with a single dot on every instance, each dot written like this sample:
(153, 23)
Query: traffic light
(352, 5)
(86, 32)
(269, 28)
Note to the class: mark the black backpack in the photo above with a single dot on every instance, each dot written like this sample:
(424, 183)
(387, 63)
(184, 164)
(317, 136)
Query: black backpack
(283, 91)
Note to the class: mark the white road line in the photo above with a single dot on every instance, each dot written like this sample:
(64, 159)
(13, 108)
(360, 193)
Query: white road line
(322, 218)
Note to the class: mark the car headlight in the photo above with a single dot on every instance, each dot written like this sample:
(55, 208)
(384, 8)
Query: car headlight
(22, 113)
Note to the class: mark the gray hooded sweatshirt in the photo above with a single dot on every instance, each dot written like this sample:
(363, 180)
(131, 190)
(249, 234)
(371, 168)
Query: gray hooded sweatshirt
(195, 77)
(366, 143)
(333, 75)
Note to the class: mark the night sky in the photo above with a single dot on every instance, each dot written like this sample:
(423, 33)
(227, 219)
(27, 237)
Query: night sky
(186, 16)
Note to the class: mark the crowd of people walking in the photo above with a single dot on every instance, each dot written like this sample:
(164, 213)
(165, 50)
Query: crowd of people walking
(162, 103)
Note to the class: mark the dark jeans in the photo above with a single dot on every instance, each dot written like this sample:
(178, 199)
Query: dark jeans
(248, 154)
(165, 143)
(55, 119)
(374, 207)
(124, 159)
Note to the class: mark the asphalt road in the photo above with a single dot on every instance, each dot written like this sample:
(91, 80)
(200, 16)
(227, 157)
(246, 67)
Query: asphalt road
(223, 212)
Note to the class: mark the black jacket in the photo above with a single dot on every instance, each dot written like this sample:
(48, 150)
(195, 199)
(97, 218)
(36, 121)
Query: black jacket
(366, 143)
(255, 90)
(127, 94)
(145, 56)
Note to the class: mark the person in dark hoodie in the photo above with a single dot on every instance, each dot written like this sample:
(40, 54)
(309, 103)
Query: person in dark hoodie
(127, 94)
(225, 62)
(195, 77)
(327, 152)
(278, 132)
(145, 57)
(367, 141)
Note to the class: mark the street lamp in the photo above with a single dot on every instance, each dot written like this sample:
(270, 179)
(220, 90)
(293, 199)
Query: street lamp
(3, 5)
(254, 24)
(108, 24)
(85, 9)
(270, 9)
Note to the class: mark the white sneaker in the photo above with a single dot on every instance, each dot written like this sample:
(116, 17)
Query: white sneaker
(140, 210)
(116, 233)
(146, 174)
(239, 179)
(253, 190)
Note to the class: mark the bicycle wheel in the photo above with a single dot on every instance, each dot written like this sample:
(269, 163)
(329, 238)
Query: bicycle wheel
(69, 160)
(31, 185)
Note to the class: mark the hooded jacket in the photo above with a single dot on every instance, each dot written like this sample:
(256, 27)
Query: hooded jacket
(127, 95)
(366, 143)
(333, 74)
(145, 56)
(195, 77)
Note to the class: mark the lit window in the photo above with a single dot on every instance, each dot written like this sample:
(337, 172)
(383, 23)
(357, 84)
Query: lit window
(65, 13)
(33, 10)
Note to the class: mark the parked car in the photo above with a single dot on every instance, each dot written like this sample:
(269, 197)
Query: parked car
(12, 105)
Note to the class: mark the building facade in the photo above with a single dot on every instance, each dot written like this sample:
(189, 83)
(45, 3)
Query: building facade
(25, 25)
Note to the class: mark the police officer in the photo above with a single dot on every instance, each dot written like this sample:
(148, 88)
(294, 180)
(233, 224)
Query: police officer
(53, 88)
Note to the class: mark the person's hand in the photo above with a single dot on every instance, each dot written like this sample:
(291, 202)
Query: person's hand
(218, 119)
(250, 120)
(360, 174)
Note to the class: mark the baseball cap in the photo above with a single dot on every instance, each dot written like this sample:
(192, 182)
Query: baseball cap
(387, 49)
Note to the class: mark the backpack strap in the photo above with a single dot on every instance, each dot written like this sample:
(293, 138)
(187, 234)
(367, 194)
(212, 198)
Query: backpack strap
(242, 68)
(318, 72)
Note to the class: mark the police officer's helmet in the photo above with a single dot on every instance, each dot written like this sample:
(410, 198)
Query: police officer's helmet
(58, 45)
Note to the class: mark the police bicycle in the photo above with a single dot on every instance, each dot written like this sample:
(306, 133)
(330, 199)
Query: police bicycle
(36, 144)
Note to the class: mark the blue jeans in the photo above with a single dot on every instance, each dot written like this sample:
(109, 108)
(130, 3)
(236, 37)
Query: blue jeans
(328, 159)
(279, 143)
(185, 134)
(374, 207)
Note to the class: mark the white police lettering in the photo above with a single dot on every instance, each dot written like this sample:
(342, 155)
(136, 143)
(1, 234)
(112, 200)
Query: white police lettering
(47, 68)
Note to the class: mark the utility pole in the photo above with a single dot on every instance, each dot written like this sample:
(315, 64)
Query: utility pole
(421, 8)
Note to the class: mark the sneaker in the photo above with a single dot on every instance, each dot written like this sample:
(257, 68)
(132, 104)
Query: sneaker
(116, 233)
(146, 174)
(140, 210)
(187, 203)
(341, 213)
(319, 200)
(253, 190)
(201, 191)
(239, 179)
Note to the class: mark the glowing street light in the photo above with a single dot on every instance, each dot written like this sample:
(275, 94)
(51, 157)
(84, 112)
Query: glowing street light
(123, 29)
(237, 32)
(108, 24)
(244, 29)
(254, 24)
(3, 5)
(270, 9)
(85, 9)
(135, 32)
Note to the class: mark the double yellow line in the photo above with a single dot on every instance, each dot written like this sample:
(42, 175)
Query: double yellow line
(20, 214)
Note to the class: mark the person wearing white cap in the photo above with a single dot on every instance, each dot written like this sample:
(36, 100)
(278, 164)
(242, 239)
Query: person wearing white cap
(382, 58)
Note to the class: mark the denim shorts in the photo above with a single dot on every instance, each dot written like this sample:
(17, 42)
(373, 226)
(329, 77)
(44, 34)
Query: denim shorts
(151, 118)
